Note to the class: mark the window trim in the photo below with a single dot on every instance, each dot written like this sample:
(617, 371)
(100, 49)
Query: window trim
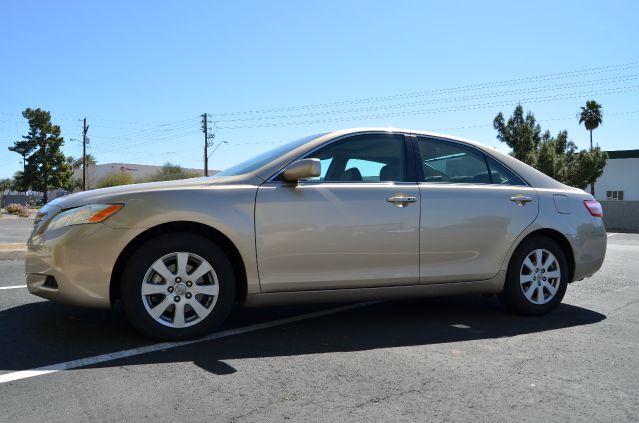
(411, 177)
(420, 170)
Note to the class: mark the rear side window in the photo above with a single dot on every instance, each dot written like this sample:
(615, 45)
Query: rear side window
(501, 175)
(453, 163)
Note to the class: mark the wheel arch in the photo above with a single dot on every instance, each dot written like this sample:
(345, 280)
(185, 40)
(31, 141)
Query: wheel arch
(181, 226)
(559, 238)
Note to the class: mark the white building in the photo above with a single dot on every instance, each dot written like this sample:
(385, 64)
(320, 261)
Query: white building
(620, 179)
(137, 171)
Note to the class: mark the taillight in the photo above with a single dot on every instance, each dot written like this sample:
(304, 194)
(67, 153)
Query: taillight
(594, 207)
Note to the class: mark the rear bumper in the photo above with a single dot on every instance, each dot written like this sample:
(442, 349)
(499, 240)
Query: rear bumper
(589, 250)
(80, 258)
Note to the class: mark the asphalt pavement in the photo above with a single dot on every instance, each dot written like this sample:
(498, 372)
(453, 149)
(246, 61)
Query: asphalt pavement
(437, 359)
(14, 229)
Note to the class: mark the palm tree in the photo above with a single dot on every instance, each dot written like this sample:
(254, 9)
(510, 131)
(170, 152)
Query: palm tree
(591, 116)
(77, 163)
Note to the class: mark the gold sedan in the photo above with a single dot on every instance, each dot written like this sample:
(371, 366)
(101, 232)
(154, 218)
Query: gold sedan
(344, 216)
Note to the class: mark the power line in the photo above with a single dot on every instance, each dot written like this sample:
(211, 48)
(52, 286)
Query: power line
(536, 78)
(153, 141)
(450, 128)
(159, 128)
(442, 100)
(434, 110)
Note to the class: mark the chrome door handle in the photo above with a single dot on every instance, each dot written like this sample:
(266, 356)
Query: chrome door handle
(520, 199)
(401, 200)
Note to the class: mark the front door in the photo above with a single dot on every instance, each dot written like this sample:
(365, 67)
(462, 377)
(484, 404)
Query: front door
(473, 209)
(357, 225)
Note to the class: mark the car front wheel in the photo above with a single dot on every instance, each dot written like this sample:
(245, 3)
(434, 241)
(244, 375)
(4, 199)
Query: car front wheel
(177, 286)
(537, 277)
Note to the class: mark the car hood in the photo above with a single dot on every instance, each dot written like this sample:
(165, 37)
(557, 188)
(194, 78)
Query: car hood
(112, 193)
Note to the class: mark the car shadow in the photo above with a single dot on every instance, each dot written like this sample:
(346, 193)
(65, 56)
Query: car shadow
(45, 333)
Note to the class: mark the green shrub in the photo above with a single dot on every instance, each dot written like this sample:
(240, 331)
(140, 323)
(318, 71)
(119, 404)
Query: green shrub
(171, 172)
(18, 210)
(115, 179)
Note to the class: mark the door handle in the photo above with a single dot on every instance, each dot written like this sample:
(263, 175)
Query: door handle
(520, 199)
(401, 200)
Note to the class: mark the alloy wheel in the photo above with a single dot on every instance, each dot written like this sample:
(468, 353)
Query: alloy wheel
(540, 276)
(180, 289)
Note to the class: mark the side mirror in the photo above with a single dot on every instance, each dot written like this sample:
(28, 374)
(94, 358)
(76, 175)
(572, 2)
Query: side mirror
(303, 168)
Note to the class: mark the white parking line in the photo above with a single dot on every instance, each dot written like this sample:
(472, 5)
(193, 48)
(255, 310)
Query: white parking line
(82, 362)
(13, 287)
(612, 233)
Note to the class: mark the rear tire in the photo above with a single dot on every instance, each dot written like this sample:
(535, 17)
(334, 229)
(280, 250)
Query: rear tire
(537, 277)
(177, 286)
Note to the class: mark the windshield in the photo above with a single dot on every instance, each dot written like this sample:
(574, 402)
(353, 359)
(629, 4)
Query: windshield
(260, 160)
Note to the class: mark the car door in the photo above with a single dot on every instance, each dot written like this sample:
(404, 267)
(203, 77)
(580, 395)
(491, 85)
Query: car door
(356, 225)
(473, 208)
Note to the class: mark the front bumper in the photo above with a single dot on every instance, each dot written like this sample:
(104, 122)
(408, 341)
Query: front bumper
(589, 250)
(80, 258)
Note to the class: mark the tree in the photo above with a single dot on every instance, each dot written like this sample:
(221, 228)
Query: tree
(586, 167)
(18, 182)
(557, 157)
(521, 133)
(5, 185)
(77, 163)
(170, 172)
(591, 116)
(115, 179)
(45, 166)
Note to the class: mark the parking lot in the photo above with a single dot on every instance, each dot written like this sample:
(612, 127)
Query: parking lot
(454, 359)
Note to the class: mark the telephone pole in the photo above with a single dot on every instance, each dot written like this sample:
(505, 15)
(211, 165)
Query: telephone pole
(85, 129)
(205, 129)
(207, 142)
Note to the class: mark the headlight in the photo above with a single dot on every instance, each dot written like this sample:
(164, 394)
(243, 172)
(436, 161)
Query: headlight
(92, 213)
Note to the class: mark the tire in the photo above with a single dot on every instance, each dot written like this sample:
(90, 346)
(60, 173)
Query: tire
(525, 298)
(177, 256)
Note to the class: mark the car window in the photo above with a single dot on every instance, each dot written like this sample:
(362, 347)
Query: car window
(363, 158)
(449, 162)
(501, 175)
(260, 160)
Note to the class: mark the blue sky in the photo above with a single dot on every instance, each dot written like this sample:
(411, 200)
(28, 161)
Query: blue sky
(130, 67)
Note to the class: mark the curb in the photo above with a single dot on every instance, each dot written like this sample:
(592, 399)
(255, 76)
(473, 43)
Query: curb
(13, 251)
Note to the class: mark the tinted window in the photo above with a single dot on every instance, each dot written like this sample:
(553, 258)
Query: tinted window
(449, 162)
(501, 175)
(363, 158)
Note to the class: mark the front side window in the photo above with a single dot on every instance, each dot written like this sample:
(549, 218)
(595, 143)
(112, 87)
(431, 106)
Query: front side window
(453, 163)
(363, 158)
(260, 160)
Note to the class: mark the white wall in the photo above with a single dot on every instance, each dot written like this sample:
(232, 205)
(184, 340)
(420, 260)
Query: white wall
(95, 173)
(619, 175)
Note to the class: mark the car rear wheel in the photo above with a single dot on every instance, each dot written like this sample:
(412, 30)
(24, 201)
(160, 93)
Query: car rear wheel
(537, 277)
(177, 286)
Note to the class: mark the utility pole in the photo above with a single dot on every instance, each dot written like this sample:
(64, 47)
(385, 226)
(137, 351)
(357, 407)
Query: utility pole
(85, 129)
(207, 142)
(205, 129)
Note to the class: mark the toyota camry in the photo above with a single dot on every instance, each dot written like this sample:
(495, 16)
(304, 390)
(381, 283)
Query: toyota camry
(343, 216)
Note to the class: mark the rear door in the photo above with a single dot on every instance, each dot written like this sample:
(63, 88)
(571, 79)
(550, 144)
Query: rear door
(472, 210)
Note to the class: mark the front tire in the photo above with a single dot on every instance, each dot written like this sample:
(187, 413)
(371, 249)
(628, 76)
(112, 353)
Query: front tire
(537, 277)
(177, 286)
